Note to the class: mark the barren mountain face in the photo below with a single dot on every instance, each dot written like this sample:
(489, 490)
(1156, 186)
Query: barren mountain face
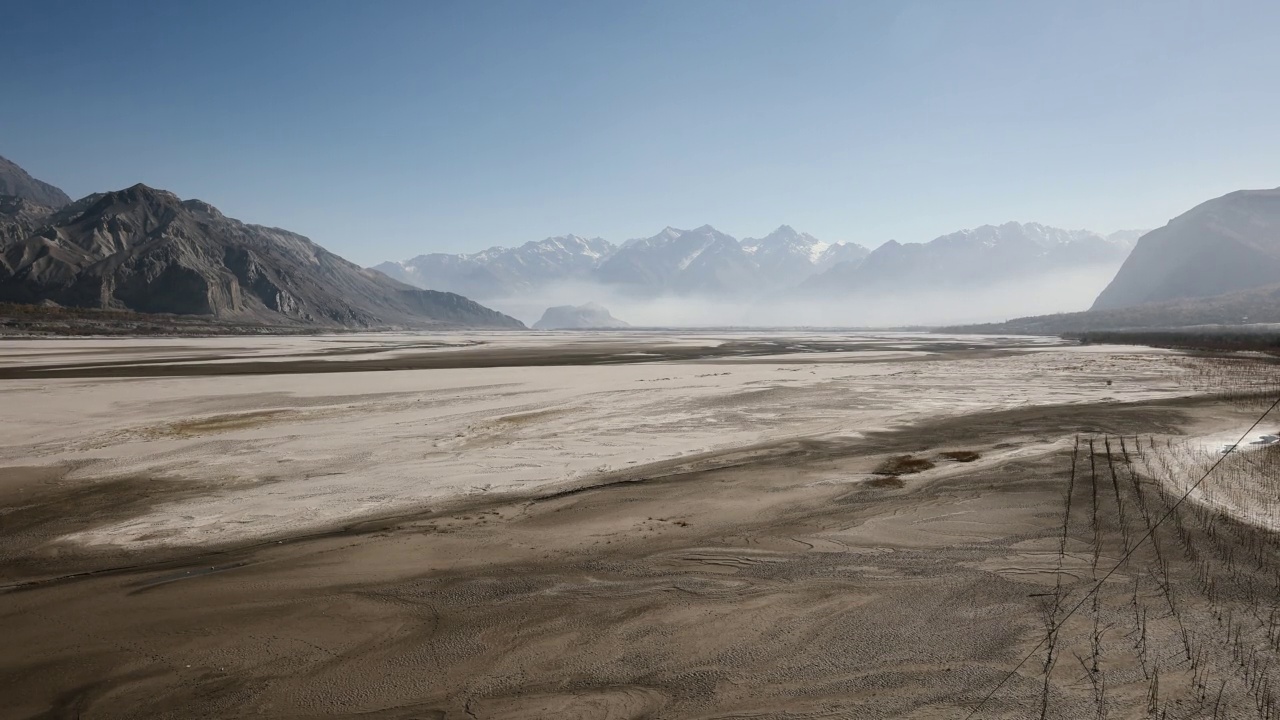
(1225, 245)
(15, 181)
(146, 250)
(19, 217)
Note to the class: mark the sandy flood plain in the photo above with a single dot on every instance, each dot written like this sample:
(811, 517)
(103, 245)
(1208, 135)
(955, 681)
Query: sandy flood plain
(596, 526)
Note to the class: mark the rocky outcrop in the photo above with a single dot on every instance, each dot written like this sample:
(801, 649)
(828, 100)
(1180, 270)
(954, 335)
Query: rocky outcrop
(581, 317)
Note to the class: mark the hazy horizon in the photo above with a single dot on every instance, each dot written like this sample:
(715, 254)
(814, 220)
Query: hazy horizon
(1067, 290)
(389, 130)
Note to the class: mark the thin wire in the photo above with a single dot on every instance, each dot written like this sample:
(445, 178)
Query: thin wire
(1123, 560)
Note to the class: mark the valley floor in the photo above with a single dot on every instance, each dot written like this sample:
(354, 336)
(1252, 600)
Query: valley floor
(630, 525)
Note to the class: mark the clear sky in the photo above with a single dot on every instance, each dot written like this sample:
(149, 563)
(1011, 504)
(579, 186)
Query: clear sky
(387, 129)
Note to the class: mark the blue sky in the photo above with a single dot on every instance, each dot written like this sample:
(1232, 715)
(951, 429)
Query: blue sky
(387, 129)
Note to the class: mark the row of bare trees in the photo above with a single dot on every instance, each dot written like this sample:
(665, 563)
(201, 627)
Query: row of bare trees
(1188, 624)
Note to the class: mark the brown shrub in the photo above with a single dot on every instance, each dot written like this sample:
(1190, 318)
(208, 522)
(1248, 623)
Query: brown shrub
(903, 465)
(961, 455)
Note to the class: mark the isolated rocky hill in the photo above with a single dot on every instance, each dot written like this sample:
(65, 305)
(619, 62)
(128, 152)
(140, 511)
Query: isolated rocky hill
(145, 250)
(16, 182)
(1225, 245)
(580, 317)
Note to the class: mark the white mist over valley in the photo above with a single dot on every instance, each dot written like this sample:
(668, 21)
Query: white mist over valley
(705, 278)
(1069, 290)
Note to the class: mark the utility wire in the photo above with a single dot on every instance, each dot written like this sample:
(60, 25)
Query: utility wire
(1122, 561)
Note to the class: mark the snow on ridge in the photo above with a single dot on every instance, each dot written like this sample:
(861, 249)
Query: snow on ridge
(816, 250)
(687, 261)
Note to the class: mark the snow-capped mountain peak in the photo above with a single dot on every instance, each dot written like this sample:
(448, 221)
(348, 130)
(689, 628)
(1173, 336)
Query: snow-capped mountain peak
(793, 256)
(706, 261)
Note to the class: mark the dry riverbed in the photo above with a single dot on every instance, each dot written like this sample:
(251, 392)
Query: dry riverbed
(630, 525)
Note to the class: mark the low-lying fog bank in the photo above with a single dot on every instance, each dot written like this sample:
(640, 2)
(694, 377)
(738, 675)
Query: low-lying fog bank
(1066, 291)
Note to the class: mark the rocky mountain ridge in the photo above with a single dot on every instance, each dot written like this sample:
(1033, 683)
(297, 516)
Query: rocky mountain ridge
(17, 182)
(985, 254)
(499, 272)
(698, 261)
(146, 250)
(1216, 265)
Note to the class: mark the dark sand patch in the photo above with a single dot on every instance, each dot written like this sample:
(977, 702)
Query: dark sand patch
(40, 505)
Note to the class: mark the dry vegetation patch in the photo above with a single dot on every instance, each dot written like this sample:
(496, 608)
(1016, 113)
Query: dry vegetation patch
(533, 416)
(963, 456)
(225, 423)
(903, 465)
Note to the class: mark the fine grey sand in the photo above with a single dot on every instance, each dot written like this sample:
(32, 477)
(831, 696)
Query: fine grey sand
(638, 525)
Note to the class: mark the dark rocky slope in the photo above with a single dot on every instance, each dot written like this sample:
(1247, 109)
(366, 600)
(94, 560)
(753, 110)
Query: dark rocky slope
(145, 250)
(1222, 246)
(19, 218)
(16, 182)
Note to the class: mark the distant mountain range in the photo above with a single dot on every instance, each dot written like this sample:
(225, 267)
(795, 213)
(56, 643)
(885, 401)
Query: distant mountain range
(502, 272)
(145, 250)
(705, 261)
(983, 255)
